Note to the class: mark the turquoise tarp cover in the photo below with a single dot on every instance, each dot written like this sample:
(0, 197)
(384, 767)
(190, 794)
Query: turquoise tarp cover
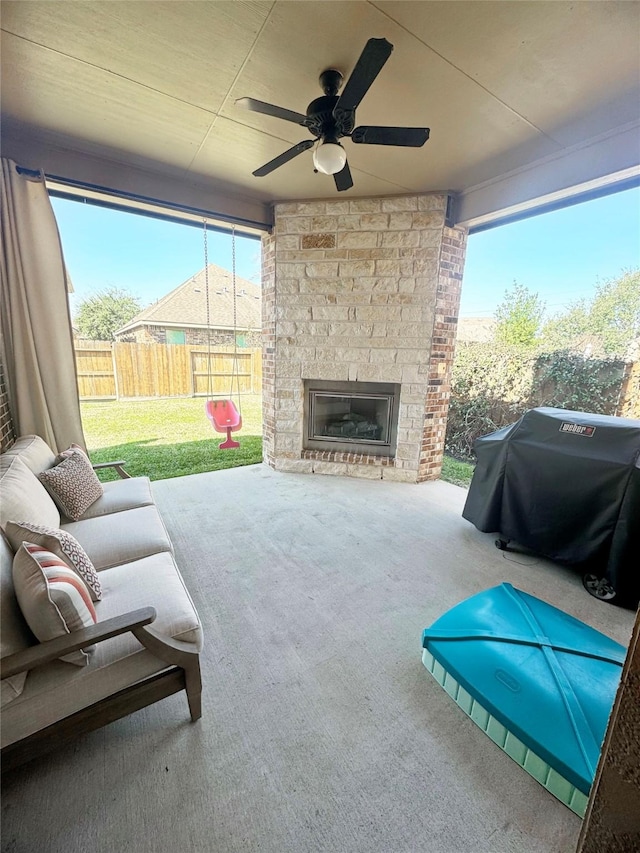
(547, 677)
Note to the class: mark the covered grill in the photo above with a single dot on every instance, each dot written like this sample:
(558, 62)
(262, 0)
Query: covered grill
(565, 485)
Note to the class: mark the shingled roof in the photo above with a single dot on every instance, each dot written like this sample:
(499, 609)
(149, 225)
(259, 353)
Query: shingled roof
(187, 304)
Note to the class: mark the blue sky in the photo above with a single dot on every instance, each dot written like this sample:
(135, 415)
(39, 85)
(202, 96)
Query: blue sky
(560, 255)
(107, 248)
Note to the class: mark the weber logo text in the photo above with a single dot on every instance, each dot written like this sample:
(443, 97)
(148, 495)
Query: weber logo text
(577, 429)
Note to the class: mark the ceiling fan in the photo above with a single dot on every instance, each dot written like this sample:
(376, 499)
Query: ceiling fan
(333, 116)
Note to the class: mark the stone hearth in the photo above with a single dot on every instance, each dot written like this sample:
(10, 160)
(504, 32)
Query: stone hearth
(361, 291)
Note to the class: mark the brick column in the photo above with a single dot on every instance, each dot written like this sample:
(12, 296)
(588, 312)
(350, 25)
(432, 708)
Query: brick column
(443, 340)
(7, 433)
(268, 347)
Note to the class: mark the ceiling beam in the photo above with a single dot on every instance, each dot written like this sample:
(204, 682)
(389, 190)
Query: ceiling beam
(145, 190)
(604, 165)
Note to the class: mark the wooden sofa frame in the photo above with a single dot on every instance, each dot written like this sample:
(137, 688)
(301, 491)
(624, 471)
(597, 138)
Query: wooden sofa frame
(182, 673)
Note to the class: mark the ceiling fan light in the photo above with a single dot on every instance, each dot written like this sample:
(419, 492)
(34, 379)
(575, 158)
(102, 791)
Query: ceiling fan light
(329, 158)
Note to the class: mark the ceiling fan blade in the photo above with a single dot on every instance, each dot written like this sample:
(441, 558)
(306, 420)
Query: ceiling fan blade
(271, 110)
(343, 179)
(283, 158)
(373, 57)
(410, 137)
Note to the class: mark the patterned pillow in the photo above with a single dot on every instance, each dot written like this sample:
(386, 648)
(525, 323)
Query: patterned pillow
(73, 484)
(73, 448)
(62, 544)
(53, 599)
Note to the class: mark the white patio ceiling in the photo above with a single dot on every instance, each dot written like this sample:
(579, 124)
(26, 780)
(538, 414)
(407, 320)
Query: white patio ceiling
(525, 100)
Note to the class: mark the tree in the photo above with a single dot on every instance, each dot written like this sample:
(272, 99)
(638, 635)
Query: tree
(610, 321)
(519, 316)
(99, 316)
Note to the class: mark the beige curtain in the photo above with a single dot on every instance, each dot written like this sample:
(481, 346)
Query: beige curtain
(37, 343)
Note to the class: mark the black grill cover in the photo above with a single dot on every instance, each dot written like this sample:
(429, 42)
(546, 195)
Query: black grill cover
(565, 485)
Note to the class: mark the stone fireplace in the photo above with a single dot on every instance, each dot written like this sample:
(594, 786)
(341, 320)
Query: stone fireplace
(360, 306)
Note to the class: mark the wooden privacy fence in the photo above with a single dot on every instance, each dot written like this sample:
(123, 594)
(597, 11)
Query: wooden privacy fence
(114, 370)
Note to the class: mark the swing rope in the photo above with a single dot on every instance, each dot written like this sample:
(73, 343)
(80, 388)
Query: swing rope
(224, 415)
(235, 373)
(206, 285)
(235, 370)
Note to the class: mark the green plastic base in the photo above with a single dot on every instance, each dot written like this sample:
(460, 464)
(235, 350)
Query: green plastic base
(508, 742)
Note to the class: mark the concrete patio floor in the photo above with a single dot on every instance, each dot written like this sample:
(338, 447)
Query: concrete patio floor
(321, 730)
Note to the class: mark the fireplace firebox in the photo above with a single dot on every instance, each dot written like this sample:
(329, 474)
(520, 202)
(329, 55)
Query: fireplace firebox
(357, 417)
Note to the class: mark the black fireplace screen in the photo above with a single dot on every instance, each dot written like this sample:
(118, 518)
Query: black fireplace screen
(353, 418)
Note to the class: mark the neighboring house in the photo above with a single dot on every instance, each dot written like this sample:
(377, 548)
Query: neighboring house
(476, 329)
(180, 317)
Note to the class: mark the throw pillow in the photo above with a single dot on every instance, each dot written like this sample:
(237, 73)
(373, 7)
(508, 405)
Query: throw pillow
(62, 544)
(53, 599)
(73, 448)
(73, 484)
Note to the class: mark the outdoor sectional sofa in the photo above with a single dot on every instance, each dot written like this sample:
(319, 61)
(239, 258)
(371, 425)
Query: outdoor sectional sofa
(147, 636)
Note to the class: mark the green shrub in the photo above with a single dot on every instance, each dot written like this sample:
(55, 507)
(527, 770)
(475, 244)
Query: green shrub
(494, 384)
(569, 381)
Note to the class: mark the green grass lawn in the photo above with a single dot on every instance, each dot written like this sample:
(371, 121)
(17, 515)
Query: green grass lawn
(172, 436)
(456, 472)
(168, 437)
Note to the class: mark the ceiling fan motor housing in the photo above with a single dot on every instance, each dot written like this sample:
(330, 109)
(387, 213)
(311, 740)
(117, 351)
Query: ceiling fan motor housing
(322, 122)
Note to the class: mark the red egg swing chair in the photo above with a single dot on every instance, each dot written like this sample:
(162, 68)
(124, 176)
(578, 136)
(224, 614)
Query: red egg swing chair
(224, 415)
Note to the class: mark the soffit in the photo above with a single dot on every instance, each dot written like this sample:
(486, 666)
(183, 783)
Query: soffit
(502, 85)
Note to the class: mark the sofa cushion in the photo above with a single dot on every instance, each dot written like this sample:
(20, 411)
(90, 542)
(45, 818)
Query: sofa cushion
(153, 581)
(15, 635)
(119, 495)
(54, 600)
(73, 484)
(63, 545)
(55, 690)
(24, 498)
(121, 537)
(34, 452)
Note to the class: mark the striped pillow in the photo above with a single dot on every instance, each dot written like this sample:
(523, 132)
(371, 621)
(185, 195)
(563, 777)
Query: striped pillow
(54, 600)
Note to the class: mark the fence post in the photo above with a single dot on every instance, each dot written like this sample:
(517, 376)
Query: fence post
(190, 368)
(114, 362)
(628, 405)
